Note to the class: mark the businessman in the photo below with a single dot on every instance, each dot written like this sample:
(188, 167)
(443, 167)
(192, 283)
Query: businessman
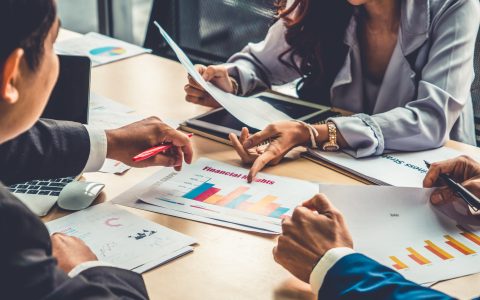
(316, 246)
(33, 265)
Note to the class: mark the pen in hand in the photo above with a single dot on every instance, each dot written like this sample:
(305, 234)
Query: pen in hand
(460, 191)
(154, 151)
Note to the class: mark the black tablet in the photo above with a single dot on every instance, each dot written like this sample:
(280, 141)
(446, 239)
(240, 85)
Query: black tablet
(218, 123)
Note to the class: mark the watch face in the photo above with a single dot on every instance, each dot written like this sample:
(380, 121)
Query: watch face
(331, 147)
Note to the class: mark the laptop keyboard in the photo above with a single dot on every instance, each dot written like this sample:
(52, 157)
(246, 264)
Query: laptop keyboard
(51, 187)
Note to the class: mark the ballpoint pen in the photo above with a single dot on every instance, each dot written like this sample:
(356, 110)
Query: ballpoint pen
(460, 191)
(154, 151)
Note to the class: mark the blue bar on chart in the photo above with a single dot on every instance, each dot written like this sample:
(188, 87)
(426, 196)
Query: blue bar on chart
(197, 191)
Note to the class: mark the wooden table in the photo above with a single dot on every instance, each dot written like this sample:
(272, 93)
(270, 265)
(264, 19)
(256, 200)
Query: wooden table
(226, 264)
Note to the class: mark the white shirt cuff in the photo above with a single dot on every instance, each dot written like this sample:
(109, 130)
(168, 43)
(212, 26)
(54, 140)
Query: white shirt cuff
(325, 264)
(98, 149)
(87, 265)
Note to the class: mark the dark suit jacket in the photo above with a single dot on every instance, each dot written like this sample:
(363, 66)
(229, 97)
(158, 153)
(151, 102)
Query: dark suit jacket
(27, 269)
(356, 277)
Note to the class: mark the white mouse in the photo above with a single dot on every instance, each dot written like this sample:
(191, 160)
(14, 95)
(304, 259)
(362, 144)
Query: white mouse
(79, 195)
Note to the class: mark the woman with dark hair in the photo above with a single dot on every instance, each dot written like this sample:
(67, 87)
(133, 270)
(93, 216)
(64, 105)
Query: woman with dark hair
(403, 67)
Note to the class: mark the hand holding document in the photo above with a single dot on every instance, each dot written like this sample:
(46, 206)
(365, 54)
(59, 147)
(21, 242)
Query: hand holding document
(123, 239)
(251, 111)
(398, 169)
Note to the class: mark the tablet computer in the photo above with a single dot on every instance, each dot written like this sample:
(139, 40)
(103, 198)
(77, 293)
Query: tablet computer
(219, 123)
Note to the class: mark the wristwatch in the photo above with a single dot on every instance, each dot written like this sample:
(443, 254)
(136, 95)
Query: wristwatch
(331, 145)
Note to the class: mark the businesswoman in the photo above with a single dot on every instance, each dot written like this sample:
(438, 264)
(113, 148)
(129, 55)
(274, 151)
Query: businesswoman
(403, 67)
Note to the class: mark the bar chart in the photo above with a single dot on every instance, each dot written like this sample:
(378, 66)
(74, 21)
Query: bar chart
(450, 248)
(241, 198)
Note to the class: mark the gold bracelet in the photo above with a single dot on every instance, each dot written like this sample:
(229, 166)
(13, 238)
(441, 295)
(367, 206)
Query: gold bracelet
(331, 145)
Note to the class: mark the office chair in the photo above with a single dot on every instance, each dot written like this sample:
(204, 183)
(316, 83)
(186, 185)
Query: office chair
(476, 90)
(209, 31)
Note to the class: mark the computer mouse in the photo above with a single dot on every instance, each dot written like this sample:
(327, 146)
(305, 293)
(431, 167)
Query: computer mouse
(78, 195)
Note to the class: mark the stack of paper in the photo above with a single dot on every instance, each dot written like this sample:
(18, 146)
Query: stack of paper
(213, 192)
(123, 239)
(406, 169)
(99, 48)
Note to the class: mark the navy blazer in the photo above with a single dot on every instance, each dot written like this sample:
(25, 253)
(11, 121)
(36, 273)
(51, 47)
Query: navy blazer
(27, 269)
(356, 276)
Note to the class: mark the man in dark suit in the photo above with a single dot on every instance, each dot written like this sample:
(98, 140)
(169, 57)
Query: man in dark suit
(316, 246)
(34, 265)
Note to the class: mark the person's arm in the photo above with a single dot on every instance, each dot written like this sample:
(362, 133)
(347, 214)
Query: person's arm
(325, 258)
(442, 94)
(50, 149)
(54, 149)
(356, 276)
(30, 271)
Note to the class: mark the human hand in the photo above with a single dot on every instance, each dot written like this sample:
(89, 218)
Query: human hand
(70, 251)
(281, 138)
(128, 141)
(313, 229)
(463, 170)
(218, 76)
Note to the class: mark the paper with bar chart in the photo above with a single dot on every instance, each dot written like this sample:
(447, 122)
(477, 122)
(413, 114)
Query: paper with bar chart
(401, 229)
(220, 191)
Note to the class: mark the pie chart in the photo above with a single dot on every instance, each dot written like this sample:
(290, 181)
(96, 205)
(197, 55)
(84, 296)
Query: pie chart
(108, 51)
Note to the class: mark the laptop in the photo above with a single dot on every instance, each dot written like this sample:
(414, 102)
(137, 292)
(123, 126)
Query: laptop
(69, 102)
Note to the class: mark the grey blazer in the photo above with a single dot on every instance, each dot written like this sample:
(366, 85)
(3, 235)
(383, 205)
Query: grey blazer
(421, 103)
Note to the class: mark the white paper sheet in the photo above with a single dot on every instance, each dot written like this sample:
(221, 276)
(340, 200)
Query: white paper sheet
(405, 169)
(219, 191)
(99, 48)
(388, 222)
(251, 111)
(121, 238)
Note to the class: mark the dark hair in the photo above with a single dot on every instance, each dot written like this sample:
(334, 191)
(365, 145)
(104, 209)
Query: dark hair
(25, 24)
(315, 32)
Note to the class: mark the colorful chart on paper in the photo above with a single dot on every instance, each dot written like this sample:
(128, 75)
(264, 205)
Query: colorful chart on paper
(219, 190)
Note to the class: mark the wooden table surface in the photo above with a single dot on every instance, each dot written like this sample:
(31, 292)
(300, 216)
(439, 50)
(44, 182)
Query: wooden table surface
(226, 263)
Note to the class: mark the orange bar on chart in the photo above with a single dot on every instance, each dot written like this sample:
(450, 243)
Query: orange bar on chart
(399, 265)
(417, 257)
(438, 251)
(262, 205)
(469, 235)
(237, 192)
(459, 246)
(213, 199)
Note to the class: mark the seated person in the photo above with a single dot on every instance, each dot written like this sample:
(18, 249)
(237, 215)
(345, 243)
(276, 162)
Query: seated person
(33, 265)
(404, 68)
(325, 257)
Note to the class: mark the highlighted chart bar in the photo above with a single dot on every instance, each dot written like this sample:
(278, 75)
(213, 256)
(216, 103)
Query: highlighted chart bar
(399, 265)
(417, 257)
(213, 199)
(207, 194)
(231, 196)
(279, 212)
(235, 203)
(469, 235)
(459, 246)
(197, 191)
(262, 205)
(438, 251)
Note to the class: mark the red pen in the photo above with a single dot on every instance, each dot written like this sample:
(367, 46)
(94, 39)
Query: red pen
(154, 151)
